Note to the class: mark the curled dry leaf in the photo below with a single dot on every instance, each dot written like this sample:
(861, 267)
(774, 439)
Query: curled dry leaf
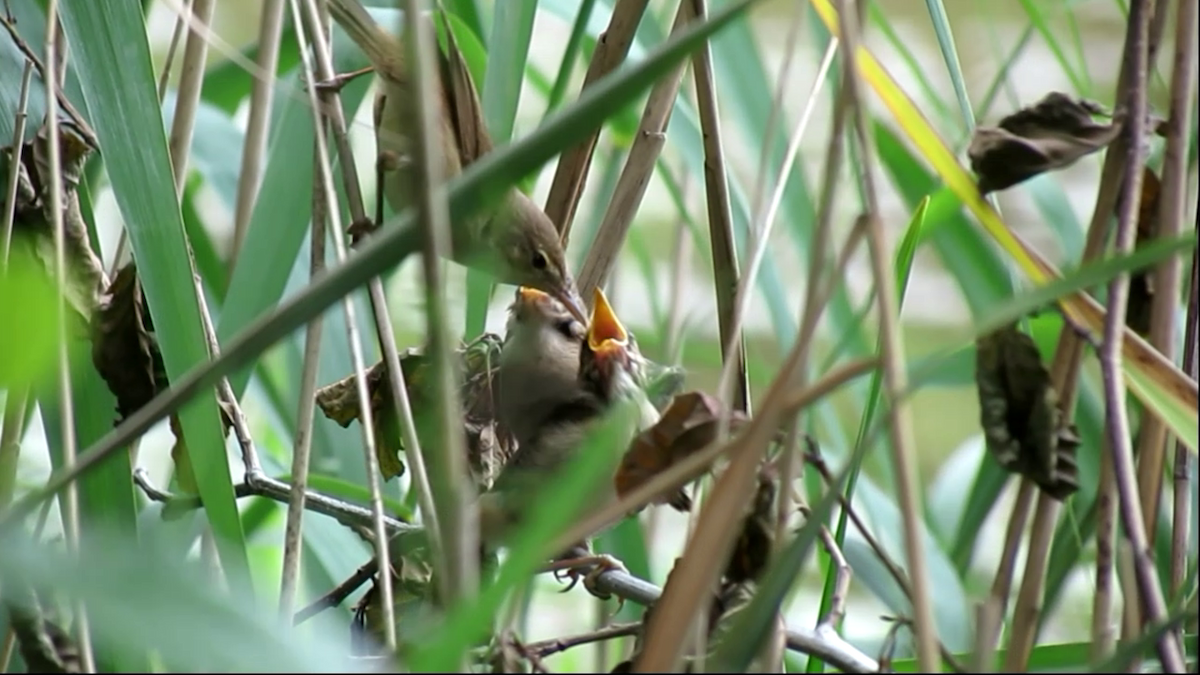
(1141, 282)
(126, 354)
(32, 214)
(755, 543)
(686, 426)
(1018, 407)
(1050, 135)
(124, 349)
(488, 447)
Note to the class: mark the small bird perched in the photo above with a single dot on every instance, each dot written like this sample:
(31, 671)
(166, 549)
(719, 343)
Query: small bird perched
(514, 241)
(556, 383)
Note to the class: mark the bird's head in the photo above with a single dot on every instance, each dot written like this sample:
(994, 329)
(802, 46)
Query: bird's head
(534, 310)
(531, 255)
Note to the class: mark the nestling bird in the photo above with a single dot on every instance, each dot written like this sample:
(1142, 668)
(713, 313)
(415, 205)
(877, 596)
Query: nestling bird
(559, 381)
(514, 240)
(539, 362)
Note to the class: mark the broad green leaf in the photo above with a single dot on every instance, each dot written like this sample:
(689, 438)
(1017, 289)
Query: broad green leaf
(108, 41)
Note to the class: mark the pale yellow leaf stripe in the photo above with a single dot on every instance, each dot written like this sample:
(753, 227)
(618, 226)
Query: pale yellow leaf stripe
(1151, 377)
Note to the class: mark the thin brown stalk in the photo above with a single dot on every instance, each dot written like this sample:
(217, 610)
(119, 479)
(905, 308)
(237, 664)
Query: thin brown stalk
(1033, 584)
(164, 76)
(187, 99)
(383, 326)
(764, 221)
(458, 518)
(571, 173)
(14, 165)
(1152, 437)
(1180, 534)
(546, 648)
(1116, 415)
(894, 368)
(720, 220)
(302, 447)
(1002, 583)
(70, 503)
(987, 623)
(254, 146)
(1171, 222)
(635, 176)
(1104, 631)
(1064, 373)
(366, 416)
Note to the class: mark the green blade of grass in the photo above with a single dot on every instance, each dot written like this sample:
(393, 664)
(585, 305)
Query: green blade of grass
(903, 270)
(113, 62)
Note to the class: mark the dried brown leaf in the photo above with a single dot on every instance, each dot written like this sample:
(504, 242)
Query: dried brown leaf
(124, 349)
(1022, 424)
(32, 215)
(686, 426)
(1049, 135)
(488, 446)
(462, 104)
(754, 545)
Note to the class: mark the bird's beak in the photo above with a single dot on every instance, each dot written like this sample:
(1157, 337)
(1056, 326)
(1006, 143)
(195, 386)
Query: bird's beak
(573, 305)
(605, 331)
(529, 296)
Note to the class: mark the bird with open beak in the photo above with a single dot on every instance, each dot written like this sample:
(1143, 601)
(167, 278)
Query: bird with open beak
(556, 381)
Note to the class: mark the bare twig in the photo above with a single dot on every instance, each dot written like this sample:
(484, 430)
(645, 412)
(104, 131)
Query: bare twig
(254, 146)
(635, 177)
(841, 584)
(546, 648)
(1169, 651)
(82, 127)
(894, 369)
(571, 174)
(261, 485)
(339, 593)
(70, 504)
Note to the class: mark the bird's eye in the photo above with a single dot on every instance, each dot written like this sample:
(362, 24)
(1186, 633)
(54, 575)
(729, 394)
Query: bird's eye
(539, 261)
